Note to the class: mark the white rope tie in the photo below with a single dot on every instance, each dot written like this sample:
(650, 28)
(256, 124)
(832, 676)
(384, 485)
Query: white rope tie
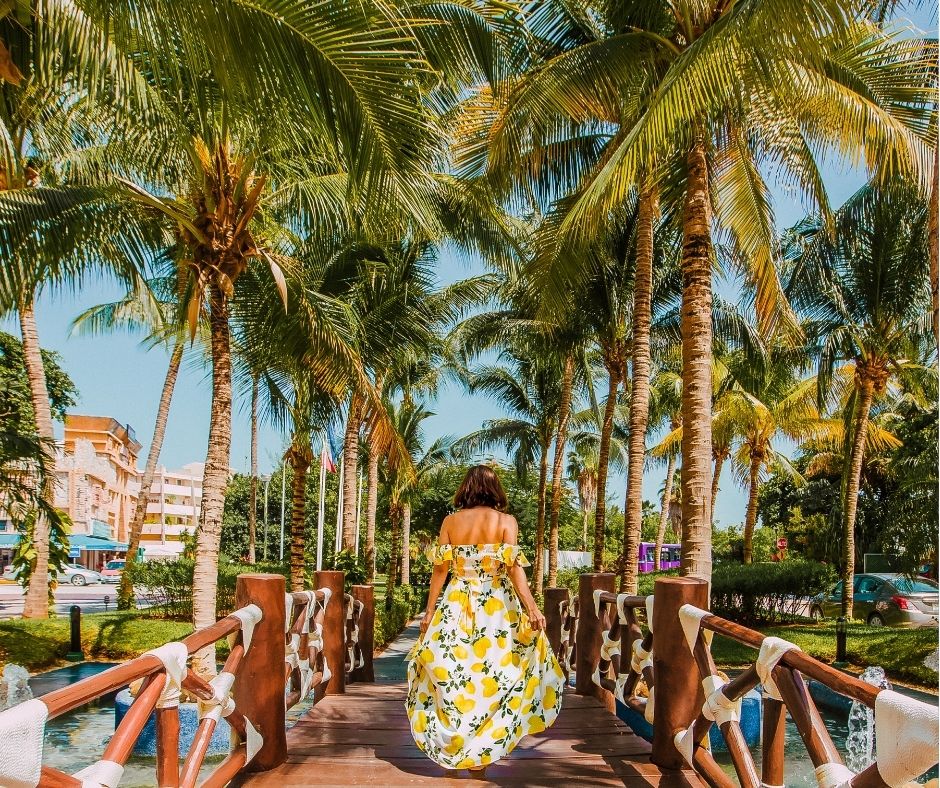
(596, 676)
(249, 616)
(771, 652)
(685, 744)
(288, 611)
(905, 737)
(221, 703)
(309, 611)
(621, 610)
(834, 775)
(597, 601)
(610, 647)
(650, 706)
(22, 729)
(690, 617)
(718, 707)
(254, 741)
(649, 612)
(101, 774)
(173, 656)
(641, 657)
(618, 688)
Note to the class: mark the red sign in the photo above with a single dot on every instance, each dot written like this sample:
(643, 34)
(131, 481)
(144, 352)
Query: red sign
(782, 543)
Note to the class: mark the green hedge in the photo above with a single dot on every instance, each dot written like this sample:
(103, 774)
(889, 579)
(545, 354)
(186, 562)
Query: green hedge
(767, 593)
(409, 601)
(569, 578)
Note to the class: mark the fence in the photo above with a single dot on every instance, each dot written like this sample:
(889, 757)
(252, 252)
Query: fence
(611, 654)
(282, 647)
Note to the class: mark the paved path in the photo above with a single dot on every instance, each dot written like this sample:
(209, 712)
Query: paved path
(362, 738)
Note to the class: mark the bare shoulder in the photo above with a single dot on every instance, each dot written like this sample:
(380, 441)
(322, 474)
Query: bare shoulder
(444, 537)
(510, 529)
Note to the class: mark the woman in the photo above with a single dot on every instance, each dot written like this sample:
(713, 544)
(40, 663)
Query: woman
(482, 675)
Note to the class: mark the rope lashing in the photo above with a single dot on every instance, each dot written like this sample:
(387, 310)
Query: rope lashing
(641, 657)
(650, 706)
(101, 774)
(22, 729)
(690, 617)
(249, 616)
(649, 612)
(254, 741)
(771, 652)
(685, 744)
(173, 656)
(833, 775)
(221, 704)
(718, 707)
(597, 601)
(610, 647)
(905, 737)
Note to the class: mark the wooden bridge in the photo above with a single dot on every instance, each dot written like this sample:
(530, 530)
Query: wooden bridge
(320, 643)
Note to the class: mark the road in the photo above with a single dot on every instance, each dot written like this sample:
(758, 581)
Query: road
(91, 599)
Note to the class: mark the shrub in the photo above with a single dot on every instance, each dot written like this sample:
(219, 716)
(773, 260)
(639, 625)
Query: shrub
(569, 578)
(390, 621)
(347, 561)
(767, 592)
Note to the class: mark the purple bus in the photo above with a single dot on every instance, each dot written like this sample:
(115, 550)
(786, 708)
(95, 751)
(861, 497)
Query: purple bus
(669, 557)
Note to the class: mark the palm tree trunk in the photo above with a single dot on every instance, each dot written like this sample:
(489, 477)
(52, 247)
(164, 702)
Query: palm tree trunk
(750, 518)
(350, 468)
(537, 568)
(585, 513)
(716, 475)
(253, 489)
(215, 478)
(603, 463)
(640, 391)
(564, 411)
(933, 239)
(36, 602)
(866, 393)
(664, 513)
(372, 504)
(696, 329)
(406, 545)
(394, 556)
(301, 456)
(125, 595)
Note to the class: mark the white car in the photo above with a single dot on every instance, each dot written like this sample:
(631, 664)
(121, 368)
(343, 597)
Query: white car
(78, 575)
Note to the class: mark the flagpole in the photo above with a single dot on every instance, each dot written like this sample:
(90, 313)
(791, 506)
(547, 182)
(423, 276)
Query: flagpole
(358, 510)
(283, 495)
(338, 542)
(321, 510)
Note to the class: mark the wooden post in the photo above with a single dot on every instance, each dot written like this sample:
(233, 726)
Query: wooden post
(678, 698)
(259, 682)
(366, 595)
(168, 747)
(334, 630)
(554, 597)
(589, 631)
(773, 722)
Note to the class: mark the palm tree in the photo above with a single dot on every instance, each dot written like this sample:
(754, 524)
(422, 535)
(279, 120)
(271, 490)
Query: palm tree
(583, 470)
(148, 309)
(635, 83)
(865, 289)
(665, 410)
(528, 387)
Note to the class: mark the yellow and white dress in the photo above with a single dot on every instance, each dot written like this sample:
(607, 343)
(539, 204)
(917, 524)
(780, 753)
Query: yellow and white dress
(480, 679)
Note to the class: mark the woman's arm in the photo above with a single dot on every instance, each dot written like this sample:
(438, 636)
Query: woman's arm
(438, 578)
(520, 583)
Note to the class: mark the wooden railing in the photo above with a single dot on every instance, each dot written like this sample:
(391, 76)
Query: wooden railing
(687, 696)
(282, 647)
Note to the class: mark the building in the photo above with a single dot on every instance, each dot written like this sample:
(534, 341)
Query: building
(98, 477)
(172, 509)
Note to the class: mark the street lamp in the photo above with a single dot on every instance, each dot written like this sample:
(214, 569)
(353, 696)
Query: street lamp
(266, 478)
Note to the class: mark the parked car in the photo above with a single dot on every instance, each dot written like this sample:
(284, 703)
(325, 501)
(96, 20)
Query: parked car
(112, 571)
(78, 575)
(884, 600)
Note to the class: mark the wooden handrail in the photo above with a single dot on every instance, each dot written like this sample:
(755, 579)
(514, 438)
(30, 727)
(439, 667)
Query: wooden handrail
(247, 692)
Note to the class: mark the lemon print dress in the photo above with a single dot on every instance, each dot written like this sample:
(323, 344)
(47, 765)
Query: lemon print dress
(480, 679)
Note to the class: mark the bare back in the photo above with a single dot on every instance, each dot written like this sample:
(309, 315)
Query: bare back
(480, 525)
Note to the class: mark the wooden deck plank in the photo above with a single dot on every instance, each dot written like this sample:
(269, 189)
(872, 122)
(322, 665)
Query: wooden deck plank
(362, 738)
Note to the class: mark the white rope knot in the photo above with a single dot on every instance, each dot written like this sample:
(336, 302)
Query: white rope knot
(621, 610)
(22, 729)
(173, 656)
(641, 657)
(690, 617)
(771, 652)
(906, 737)
(597, 601)
(834, 775)
(249, 616)
(327, 673)
(288, 611)
(610, 647)
(101, 774)
(292, 652)
(718, 707)
(309, 611)
(650, 706)
(649, 612)
(254, 741)
(596, 676)
(618, 688)
(221, 703)
(685, 744)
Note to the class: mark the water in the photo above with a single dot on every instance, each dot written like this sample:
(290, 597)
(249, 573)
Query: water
(860, 743)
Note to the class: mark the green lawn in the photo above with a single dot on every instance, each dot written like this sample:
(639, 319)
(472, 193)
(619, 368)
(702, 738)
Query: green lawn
(38, 644)
(901, 652)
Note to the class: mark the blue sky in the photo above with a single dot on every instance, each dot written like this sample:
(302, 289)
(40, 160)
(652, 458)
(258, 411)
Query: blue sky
(117, 377)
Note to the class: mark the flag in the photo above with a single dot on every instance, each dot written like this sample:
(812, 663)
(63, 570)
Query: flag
(326, 459)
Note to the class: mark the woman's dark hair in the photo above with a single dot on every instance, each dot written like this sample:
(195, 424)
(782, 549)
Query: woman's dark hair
(481, 487)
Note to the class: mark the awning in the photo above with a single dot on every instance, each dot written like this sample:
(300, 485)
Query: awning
(76, 542)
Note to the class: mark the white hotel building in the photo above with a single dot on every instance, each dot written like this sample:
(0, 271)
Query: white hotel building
(173, 508)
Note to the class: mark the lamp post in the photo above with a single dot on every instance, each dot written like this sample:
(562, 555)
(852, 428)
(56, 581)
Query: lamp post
(266, 478)
(840, 642)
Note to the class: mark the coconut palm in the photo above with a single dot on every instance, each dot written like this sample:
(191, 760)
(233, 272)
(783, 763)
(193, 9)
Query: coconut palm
(866, 292)
(640, 82)
(583, 471)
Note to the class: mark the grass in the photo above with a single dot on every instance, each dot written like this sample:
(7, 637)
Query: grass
(901, 652)
(37, 644)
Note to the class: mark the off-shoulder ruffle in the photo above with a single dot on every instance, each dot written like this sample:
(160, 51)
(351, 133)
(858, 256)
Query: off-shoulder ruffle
(508, 554)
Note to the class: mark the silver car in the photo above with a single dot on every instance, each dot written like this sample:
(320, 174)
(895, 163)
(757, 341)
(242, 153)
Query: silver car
(884, 600)
(78, 575)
